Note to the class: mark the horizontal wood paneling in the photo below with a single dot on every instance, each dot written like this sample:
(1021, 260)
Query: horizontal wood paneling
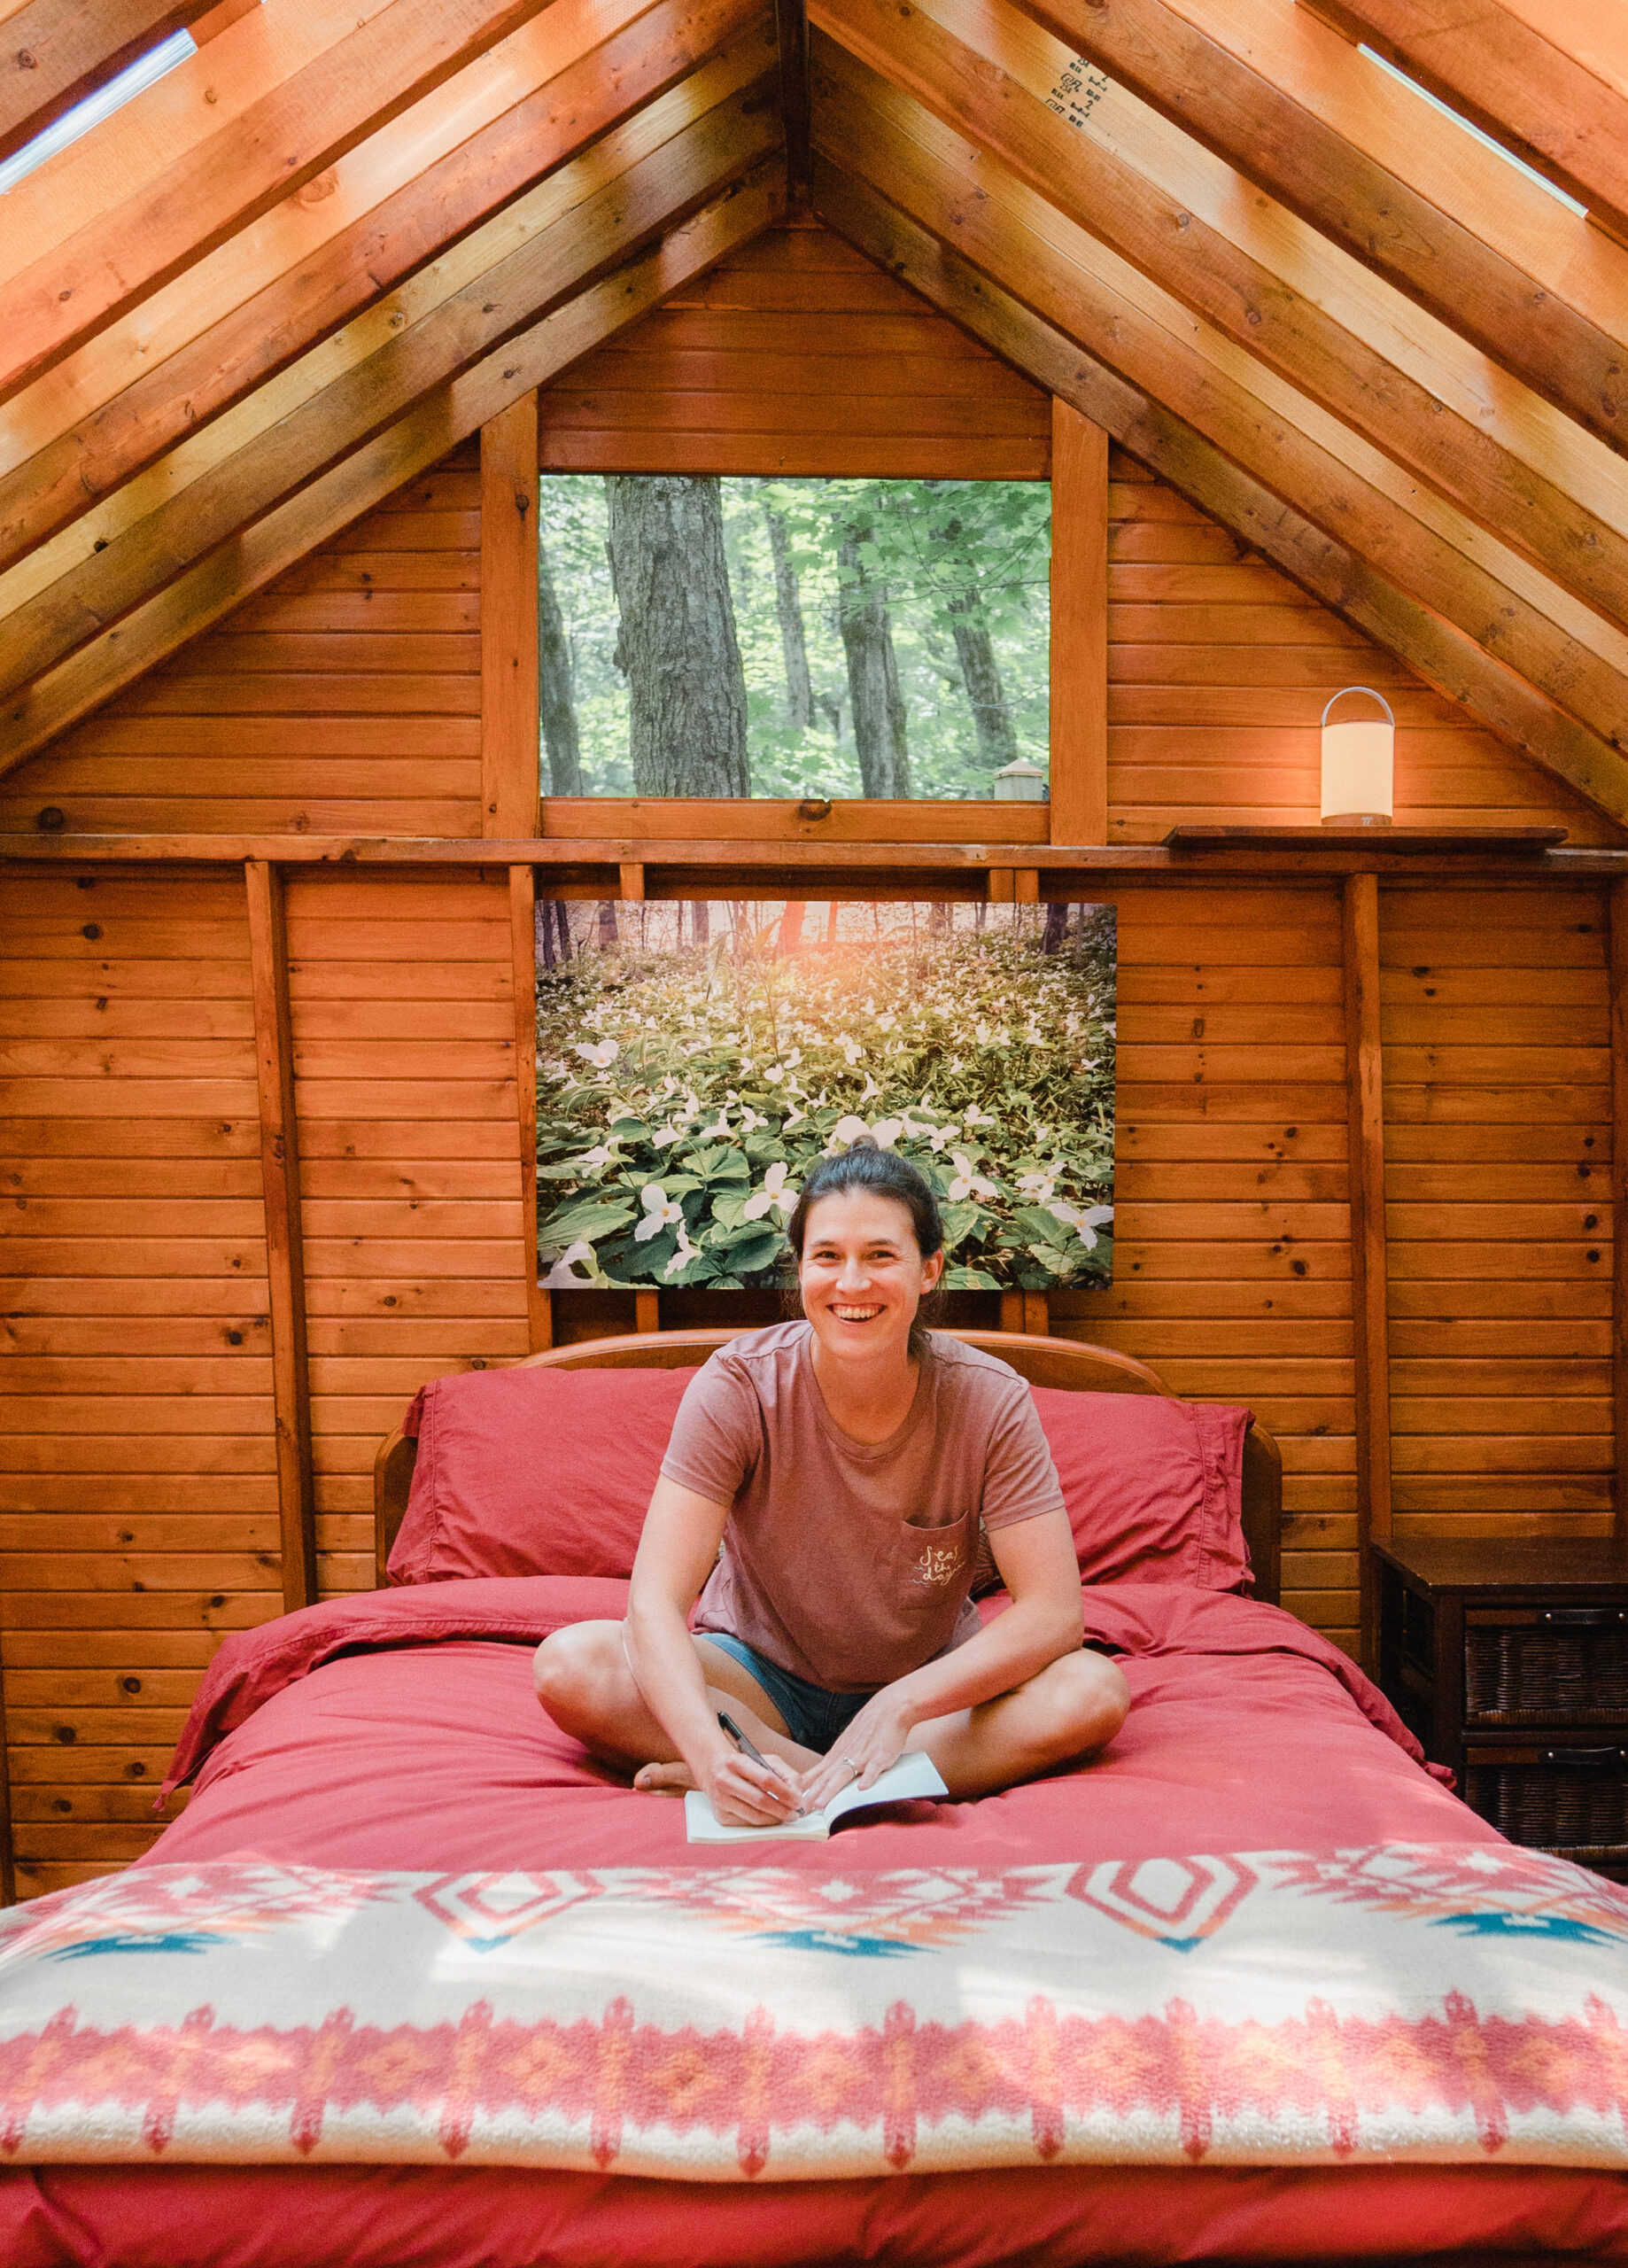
(796, 355)
(1232, 1269)
(401, 996)
(344, 697)
(137, 1475)
(1500, 1219)
(1219, 668)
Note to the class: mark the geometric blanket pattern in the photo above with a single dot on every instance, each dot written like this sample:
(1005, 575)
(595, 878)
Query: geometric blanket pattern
(1443, 2004)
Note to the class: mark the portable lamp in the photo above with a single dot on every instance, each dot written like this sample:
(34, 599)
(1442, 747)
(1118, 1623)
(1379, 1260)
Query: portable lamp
(1358, 764)
(1021, 783)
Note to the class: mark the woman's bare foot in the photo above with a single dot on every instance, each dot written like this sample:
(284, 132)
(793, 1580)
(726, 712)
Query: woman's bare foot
(664, 1779)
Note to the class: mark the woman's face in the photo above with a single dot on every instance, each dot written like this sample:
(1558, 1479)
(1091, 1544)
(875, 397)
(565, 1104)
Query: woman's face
(862, 1274)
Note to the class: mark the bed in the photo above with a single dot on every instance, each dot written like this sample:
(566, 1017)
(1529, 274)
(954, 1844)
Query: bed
(412, 1981)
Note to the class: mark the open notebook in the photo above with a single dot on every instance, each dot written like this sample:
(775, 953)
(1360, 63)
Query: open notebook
(914, 1775)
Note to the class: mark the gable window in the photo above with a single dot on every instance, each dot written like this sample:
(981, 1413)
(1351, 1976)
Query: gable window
(833, 639)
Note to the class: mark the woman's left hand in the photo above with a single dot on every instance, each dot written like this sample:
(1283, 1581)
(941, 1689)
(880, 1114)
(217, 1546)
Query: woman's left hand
(873, 1741)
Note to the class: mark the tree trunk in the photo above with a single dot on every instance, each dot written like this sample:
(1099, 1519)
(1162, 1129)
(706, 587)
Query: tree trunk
(997, 738)
(556, 705)
(791, 929)
(1057, 926)
(789, 607)
(608, 932)
(981, 675)
(687, 691)
(873, 694)
(542, 929)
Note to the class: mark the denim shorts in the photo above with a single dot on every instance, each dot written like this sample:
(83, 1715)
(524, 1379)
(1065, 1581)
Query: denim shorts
(813, 1717)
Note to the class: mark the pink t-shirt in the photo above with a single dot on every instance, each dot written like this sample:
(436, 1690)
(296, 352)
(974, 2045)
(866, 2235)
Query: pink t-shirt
(848, 1562)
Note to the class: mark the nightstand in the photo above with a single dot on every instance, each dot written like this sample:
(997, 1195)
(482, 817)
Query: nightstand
(1510, 1663)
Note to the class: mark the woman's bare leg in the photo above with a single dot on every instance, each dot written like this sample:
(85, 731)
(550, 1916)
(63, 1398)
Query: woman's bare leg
(584, 1682)
(1062, 1714)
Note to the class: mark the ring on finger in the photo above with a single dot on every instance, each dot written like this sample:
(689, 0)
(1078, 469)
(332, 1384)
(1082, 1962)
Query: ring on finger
(855, 1769)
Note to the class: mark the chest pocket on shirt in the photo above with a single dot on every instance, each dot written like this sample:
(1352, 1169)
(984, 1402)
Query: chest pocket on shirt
(934, 1562)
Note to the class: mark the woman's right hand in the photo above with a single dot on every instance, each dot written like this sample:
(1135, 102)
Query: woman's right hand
(745, 1794)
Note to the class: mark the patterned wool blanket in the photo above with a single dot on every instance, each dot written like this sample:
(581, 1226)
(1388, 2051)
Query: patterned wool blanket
(1440, 2004)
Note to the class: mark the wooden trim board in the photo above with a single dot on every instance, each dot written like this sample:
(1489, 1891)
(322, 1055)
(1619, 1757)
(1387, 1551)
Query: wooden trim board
(1079, 626)
(509, 571)
(1366, 1138)
(273, 1054)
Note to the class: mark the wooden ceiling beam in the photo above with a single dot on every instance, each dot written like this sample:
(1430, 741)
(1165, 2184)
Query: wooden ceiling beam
(437, 423)
(951, 239)
(615, 74)
(1298, 112)
(1522, 81)
(977, 89)
(718, 123)
(115, 254)
(55, 53)
(300, 229)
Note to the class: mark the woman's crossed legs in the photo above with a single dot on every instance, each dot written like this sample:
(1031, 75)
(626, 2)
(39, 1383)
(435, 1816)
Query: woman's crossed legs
(1060, 1715)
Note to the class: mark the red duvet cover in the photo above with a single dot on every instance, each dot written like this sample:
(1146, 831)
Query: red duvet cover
(398, 1730)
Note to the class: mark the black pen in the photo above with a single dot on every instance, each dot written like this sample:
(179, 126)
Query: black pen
(747, 1747)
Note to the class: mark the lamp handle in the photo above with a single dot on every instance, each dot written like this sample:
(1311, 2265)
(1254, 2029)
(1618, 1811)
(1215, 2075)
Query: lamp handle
(1372, 695)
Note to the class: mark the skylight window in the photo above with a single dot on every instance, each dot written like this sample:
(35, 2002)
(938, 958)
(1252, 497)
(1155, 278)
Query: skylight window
(1486, 141)
(145, 72)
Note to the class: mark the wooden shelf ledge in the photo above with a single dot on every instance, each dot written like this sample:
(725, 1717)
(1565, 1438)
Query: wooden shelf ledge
(1398, 840)
(1004, 870)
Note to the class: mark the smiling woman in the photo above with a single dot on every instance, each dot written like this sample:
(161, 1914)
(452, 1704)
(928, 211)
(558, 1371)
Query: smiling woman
(696, 1062)
(807, 1560)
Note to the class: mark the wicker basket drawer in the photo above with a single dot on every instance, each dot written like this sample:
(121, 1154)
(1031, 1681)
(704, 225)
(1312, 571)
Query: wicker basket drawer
(1573, 1800)
(1546, 1665)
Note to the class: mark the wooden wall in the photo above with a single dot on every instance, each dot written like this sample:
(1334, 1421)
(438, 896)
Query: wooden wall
(140, 1495)
(797, 355)
(1218, 667)
(135, 1411)
(344, 698)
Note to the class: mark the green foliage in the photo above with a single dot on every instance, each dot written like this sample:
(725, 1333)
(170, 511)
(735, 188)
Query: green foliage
(931, 541)
(684, 1093)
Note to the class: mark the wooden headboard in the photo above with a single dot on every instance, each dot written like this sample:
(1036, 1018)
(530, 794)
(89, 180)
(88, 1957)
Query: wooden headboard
(1063, 1363)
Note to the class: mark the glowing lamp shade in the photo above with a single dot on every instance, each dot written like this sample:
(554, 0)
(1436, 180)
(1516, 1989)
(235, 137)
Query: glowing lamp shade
(1358, 764)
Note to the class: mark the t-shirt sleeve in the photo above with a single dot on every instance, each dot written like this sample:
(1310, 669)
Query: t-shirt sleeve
(1020, 1478)
(717, 1434)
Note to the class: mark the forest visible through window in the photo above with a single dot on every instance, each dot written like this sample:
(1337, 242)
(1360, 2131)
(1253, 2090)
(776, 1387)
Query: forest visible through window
(715, 637)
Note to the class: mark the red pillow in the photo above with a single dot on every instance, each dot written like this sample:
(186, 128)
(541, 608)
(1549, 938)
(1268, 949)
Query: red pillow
(533, 1472)
(1154, 1487)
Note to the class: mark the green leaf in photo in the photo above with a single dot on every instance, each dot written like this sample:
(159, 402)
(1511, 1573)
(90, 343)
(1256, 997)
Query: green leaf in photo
(581, 1224)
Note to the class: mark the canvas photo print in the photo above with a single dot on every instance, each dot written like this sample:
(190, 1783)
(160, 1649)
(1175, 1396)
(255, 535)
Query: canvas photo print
(695, 1058)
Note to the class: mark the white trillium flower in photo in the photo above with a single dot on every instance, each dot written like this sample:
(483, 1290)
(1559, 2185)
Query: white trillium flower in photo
(972, 1116)
(846, 1130)
(560, 1277)
(773, 1193)
(1084, 1224)
(1040, 1187)
(602, 1054)
(886, 1132)
(851, 1048)
(661, 1212)
(603, 1153)
(968, 1182)
(686, 1252)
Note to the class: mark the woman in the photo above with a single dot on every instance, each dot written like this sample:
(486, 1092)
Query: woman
(844, 1464)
